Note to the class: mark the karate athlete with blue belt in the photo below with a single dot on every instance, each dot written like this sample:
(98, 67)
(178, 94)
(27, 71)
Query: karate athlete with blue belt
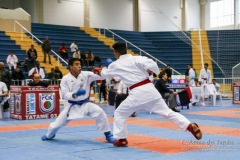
(75, 87)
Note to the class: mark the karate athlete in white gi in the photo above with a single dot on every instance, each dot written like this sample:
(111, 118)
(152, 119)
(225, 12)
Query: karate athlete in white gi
(134, 72)
(204, 78)
(191, 76)
(75, 88)
(205, 75)
(12, 61)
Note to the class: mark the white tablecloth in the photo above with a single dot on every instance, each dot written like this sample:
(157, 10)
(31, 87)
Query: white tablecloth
(204, 90)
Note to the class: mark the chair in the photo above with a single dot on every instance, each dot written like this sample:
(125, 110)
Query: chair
(212, 92)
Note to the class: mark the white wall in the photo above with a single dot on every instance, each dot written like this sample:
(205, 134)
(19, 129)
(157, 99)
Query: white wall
(155, 15)
(164, 15)
(111, 14)
(193, 15)
(68, 12)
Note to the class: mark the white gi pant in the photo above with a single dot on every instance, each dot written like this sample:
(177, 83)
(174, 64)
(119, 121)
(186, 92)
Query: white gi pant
(12, 64)
(79, 111)
(150, 100)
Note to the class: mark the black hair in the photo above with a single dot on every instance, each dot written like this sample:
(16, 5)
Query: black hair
(206, 64)
(162, 74)
(72, 60)
(120, 48)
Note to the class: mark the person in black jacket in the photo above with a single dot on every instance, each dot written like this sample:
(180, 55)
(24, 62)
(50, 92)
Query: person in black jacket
(168, 70)
(37, 82)
(33, 51)
(165, 92)
(18, 76)
(46, 48)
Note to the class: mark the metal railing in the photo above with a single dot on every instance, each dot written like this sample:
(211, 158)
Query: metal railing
(129, 43)
(34, 37)
(225, 84)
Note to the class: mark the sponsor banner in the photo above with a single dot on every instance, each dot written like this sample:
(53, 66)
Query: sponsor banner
(30, 103)
(18, 106)
(47, 102)
(40, 116)
(236, 93)
(42, 88)
(12, 102)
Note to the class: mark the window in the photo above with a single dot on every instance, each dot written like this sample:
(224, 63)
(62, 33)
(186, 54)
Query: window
(221, 13)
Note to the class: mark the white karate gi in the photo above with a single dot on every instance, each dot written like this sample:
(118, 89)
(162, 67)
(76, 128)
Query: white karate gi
(191, 77)
(40, 71)
(12, 61)
(206, 74)
(131, 70)
(73, 47)
(3, 88)
(122, 88)
(69, 85)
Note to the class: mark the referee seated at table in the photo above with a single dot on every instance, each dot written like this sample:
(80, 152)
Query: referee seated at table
(37, 81)
(165, 92)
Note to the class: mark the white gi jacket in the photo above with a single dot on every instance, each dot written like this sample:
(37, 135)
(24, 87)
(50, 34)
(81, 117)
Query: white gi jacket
(205, 74)
(3, 88)
(12, 59)
(73, 47)
(131, 70)
(69, 85)
(191, 77)
(122, 88)
(41, 72)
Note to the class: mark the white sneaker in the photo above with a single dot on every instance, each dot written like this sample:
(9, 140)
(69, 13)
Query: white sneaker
(202, 104)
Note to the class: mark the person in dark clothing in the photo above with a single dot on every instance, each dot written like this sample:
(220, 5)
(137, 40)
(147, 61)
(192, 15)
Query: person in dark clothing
(32, 50)
(30, 62)
(18, 76)
(165, 92)
(37, 82)
(5, 75)
(58, 72)
(103, 91)
(63, 52)
(46, 48)
(168, 70)
(53, 77)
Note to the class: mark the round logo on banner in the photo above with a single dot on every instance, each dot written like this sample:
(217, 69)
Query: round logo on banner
(47, 102)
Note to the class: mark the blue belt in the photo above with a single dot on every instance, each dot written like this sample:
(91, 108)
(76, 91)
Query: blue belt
(79, 102)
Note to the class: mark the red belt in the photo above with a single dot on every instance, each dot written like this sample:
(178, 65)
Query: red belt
(140, 84)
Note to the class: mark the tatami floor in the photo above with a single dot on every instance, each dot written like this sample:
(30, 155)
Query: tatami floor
(151, 137)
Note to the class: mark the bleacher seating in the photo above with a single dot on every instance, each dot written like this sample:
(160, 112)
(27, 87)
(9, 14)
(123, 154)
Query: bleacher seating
(174, 51)
(58, 34)
(162, 45)
(7, 45)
